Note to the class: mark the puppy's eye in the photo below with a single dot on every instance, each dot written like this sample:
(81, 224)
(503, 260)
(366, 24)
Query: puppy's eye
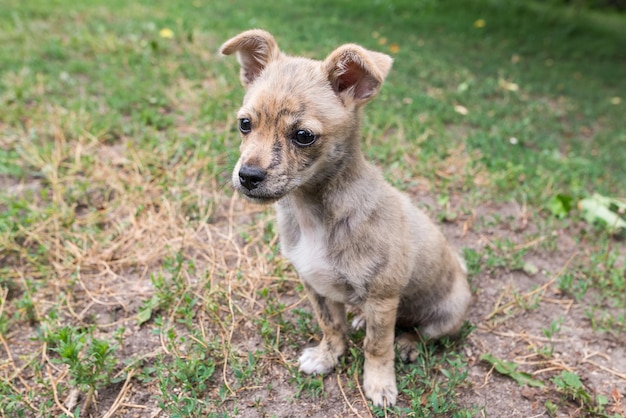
(245, 126)
(304, 137)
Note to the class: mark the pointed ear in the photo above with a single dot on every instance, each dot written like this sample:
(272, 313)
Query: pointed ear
(255, 49)
(356, 72)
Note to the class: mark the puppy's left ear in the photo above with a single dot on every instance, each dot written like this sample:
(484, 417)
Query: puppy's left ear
(357, 73)
(255, 49)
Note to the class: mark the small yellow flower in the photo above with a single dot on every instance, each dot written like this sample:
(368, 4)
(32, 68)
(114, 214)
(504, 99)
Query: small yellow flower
(480, 23)
(166, 33)
(394, 48)
(616, 100)
(382, 41)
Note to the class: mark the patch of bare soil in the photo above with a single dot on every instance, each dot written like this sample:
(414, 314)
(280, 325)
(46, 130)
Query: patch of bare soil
(510, 310)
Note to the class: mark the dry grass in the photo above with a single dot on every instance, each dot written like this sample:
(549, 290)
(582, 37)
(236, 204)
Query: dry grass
(108, 216)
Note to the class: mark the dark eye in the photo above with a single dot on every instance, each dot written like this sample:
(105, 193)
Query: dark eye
(245, 126)
(304, 137)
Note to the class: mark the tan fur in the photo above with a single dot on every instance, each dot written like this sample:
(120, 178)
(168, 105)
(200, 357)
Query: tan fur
(353, 238)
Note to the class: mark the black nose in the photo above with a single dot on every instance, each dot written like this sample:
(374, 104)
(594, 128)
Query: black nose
(250, 176)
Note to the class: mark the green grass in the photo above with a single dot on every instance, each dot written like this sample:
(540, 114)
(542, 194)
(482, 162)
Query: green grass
(125, 259)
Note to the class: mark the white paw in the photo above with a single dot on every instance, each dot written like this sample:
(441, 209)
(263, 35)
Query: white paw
(381, 389)
(358, 322)
(317, 360)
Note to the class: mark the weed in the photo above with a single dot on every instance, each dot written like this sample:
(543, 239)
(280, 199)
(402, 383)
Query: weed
(509, 369)
(607, 321)
(555, 327)
(184, 379)
(504, 254)
(432, 381)
(312, 386)
(570, 385)
(605, 273)
(551, 408)
(90, 360)
(473, 261)
(575, 284)
(244, 370)
(525, 301)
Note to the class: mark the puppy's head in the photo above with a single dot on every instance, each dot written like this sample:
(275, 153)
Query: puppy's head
(299, 120)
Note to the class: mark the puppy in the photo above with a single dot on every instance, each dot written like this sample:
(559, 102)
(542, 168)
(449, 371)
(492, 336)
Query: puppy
(352, 237)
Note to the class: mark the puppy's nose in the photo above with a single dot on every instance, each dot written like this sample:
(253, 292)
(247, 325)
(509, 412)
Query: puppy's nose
(250, 176)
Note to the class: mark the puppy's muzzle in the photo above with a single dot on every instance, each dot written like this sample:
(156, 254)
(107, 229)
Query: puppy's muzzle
(251, 177)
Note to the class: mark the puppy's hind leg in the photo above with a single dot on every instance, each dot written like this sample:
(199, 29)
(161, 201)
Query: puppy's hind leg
(444, 317)
(331, 317)
(449, 315)
(407, 346)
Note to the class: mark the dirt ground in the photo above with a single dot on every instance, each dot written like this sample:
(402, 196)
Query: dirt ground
(515, 336)
(502, 328)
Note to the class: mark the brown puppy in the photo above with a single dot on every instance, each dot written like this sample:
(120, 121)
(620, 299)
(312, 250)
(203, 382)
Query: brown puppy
(353, 238)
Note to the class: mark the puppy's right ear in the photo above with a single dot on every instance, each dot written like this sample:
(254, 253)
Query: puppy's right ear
(255, 49)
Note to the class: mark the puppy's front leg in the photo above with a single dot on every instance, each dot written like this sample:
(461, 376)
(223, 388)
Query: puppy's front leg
(331, 316)
(379, 378)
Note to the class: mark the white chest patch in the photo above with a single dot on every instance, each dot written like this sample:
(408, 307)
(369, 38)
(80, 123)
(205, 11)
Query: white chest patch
(310, 258)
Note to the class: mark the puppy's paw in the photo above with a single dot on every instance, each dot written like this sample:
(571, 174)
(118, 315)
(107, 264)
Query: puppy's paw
(358, 322)
(407, 347)
(317, 360)
(381, 389)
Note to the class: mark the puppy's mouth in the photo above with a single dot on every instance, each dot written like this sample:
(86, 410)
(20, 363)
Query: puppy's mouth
(259, 197)
(262, 200)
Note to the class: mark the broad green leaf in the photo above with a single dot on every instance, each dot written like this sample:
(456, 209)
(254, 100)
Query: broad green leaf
(570, 384)
(145, 310)
(560, 205)
(598, 208)
(509, 369)
(569, 380)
